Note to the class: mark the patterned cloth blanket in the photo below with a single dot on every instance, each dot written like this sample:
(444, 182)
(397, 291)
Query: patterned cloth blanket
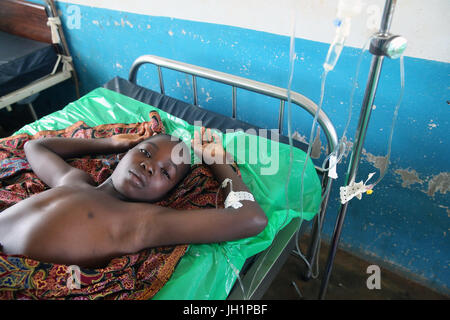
(134, 276)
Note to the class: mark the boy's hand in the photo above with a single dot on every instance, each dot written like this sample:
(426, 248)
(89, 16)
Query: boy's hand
(208, 146)
(126, 141)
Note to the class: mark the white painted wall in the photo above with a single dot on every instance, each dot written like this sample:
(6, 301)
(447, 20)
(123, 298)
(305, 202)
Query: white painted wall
(424, 23)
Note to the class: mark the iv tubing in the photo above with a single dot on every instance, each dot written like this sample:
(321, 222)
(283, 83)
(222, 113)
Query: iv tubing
(394, 119)
(331, 59)
(342, 147)
(369, 96)
(291, 151)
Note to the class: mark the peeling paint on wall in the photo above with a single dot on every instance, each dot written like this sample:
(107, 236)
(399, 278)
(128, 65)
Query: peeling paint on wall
(379, 162)
(297, 136)
(408, 177)
(432, 125)
(437, 183)
(316, 146)
(446, 209)
(348, 146)
(440, 182)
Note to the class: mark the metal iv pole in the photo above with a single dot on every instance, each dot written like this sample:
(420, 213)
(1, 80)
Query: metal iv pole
(382, 44)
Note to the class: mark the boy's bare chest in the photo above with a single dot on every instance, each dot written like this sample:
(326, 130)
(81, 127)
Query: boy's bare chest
(62, 199)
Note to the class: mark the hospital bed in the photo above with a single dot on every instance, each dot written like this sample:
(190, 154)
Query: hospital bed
(259, 270)
(235, 270)
(33, 53)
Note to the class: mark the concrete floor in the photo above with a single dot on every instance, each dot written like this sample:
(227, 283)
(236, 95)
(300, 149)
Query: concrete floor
(347, 281)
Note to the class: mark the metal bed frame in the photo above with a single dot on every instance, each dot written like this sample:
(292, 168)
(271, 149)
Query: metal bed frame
(269, 262)
(63, 69)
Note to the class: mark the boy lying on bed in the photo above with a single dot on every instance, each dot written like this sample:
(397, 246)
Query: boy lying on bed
(76, 222)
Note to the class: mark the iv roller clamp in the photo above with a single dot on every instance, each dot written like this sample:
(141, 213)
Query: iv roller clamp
(383, 44)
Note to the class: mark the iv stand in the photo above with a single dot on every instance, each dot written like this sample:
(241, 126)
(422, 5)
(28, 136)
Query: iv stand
(382, 44)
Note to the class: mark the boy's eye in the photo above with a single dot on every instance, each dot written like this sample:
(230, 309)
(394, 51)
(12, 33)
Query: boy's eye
(164, 171)
(147, 154)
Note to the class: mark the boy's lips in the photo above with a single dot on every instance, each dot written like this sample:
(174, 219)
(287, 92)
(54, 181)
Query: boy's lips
(137, 178)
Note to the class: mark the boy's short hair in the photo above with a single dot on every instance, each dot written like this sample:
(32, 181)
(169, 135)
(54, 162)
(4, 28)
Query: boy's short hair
(185, 158)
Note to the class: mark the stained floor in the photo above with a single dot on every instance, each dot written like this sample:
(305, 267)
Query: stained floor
(347, 281)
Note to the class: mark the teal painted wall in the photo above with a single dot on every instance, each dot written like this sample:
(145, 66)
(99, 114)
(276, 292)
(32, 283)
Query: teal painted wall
(404, 225)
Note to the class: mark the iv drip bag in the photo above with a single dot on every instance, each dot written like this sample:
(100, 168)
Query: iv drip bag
(346, 10)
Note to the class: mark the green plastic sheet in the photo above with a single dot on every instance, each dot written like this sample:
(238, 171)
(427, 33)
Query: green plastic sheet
(209, 271)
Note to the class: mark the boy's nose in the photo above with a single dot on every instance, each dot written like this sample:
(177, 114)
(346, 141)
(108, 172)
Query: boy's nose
(147, 167)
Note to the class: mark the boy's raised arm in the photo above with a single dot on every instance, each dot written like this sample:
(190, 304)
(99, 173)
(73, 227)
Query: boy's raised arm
(46, 156)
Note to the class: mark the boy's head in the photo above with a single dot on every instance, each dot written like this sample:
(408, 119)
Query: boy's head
(152, 168)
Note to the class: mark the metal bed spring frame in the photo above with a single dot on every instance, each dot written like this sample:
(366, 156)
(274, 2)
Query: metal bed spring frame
(50, 79)
(273, 257)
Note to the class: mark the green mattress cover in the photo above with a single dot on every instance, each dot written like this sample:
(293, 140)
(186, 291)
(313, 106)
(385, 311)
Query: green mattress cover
(208, 271)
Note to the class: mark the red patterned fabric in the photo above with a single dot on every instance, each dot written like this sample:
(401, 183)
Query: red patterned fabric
(134, 276)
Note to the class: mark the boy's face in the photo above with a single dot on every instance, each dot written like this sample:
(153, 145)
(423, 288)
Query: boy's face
(147, 172)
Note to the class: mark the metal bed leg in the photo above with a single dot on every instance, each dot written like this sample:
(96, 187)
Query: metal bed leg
(194, 88)
(314, 245)
(281, 117)
(161, 81)
(234, 106)
(65, 47)
(364, 117)
(33, 113)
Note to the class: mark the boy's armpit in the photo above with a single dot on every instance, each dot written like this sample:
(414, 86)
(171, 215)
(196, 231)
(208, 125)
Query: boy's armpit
(76, 176)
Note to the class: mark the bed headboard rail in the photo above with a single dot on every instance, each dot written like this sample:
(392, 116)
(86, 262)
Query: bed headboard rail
(25, 19)
(239, 82)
